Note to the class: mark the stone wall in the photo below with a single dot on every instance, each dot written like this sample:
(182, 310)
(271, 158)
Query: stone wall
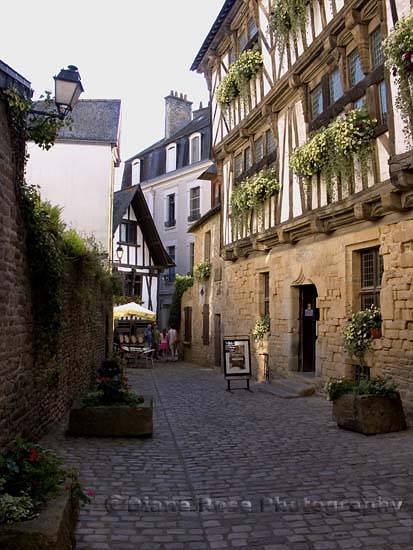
(33, 394)
(330, 263)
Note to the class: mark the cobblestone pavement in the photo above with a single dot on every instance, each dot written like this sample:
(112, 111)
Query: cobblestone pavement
(240, 450)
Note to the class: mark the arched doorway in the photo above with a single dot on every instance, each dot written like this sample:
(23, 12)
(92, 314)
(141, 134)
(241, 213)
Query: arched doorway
(309, 316)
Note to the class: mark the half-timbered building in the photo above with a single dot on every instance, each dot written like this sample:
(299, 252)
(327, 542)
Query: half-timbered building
(139, 255)
(332, 238)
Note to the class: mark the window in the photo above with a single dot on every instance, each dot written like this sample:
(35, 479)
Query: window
(371, 275)
(232, 56)
(171, 158)
(188, 324)
(136, 171)
(355, 74)
(194, 204)
(205, 325)
(336, 86)
(252, 28)
(248, 160)
(316, 99)
(128, 232)
(170, 211)
(195, 149)
(170, 276)
(259, 149)
(376, 48)
(207, 246)
(191, 258)
(383, 102)
(360, 103)
(269, 142)
(238, 165)
(266, 293)
(133, 284)
(242, 41)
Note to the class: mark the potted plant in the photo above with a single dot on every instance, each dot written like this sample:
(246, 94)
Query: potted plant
(112, 409)
(235, 82)
(366, 406)
(261, 328)
(39, 499)
(398, 52)
(363, 326)
(202, 271)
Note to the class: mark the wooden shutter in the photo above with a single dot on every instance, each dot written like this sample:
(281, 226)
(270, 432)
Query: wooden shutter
(205, 325)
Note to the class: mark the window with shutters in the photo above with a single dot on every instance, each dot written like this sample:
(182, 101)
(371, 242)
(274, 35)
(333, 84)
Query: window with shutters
(205, 325)
(207, 246)
(194, 204)
(171, 158)
(188, 324)
(170, 211)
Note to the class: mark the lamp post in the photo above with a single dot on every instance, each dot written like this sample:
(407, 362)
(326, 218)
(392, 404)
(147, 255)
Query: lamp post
(68, 88)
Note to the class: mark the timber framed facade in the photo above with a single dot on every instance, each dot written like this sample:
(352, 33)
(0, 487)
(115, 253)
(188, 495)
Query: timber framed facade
(316, 249)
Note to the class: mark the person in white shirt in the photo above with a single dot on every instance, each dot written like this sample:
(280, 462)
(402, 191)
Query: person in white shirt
(172, 339)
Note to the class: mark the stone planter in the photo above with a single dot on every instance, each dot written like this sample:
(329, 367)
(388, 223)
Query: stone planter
(53, 529)
(111, 421)
(369, 414)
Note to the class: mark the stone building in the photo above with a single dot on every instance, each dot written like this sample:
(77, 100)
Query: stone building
(175, 174)
(320, 247)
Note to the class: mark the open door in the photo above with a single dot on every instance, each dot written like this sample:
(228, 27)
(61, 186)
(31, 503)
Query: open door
(308, 327)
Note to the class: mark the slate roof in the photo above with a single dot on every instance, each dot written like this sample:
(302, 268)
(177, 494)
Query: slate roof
(10, 78)
(153, 157)
(226, 8)
(96, 120)
(135, 197)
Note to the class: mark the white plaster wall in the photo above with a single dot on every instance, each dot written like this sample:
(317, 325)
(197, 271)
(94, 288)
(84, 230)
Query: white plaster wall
(76, 177)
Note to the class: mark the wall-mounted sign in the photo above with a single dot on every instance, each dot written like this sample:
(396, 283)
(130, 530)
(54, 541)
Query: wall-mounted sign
(237, 359)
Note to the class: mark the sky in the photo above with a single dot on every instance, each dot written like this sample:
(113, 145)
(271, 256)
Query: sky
(134, 50)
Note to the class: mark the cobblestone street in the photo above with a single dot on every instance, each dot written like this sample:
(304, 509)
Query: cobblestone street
(257, 471)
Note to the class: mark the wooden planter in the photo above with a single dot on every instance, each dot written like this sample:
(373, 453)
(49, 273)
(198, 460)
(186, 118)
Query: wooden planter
(369, 414)
(111, 421)
(53, 529)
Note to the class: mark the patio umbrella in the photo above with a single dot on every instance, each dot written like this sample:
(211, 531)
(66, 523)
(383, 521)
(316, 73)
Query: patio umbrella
(133, 310)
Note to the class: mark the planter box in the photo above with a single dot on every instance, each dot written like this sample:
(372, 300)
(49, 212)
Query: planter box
(369, 414)
(111, 421)
(53, 529)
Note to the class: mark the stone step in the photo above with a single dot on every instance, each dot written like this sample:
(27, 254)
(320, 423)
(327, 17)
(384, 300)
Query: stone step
(303, 388)
(265, 387)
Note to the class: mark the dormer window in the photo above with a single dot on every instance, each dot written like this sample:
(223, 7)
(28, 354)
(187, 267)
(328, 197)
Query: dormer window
(171, 157)
(194, 148)
(136, 171)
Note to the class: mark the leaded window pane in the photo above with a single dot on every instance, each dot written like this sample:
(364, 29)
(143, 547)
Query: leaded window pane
(336, 86)
(239, 165)
(354, 66)
(259, 149)
(383, 102)
(270, 142)
(376, 48)
(316, 102)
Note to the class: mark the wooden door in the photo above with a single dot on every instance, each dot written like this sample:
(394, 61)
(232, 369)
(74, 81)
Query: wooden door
(217, 339)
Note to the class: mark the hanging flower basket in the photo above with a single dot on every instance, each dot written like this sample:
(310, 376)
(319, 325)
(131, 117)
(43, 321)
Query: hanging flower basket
(358, 333)
(235, 82)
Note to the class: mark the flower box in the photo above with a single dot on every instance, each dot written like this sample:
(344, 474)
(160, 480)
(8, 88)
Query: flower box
(369, 414)
(111, 420)
(53, 529)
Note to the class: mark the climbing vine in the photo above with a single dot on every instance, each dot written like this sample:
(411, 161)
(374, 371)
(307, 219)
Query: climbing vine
(182, 283)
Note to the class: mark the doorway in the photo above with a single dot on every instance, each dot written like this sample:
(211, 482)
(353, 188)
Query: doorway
(309, 316)
(217, 339)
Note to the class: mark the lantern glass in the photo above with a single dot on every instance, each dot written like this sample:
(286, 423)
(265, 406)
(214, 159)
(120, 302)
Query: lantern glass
(68, 88)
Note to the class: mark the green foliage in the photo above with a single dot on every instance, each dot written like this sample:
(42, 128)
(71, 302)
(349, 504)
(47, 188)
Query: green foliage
(54, 375)
(15, 508)
(29, 470)
(334, 148)
(288, 17)
(235, 82)
(120, 300)
(202, 271)
(49, 248)
(398, 52)
(336, 387)
(262, 326)
(252, 192)
(357, 333)
(182, 283)
(39, 129)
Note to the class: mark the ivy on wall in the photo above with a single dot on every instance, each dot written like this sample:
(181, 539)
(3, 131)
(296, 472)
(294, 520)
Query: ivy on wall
(182, 283)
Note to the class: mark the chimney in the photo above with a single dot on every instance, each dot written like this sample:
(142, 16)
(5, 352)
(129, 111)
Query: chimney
(198, 112)
(178, 112)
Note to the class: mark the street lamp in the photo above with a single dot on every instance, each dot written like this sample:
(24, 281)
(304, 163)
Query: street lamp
(119, 252)
(68, 88)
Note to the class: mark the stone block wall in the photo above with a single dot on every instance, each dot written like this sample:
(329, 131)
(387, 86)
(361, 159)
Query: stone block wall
(29, 401)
